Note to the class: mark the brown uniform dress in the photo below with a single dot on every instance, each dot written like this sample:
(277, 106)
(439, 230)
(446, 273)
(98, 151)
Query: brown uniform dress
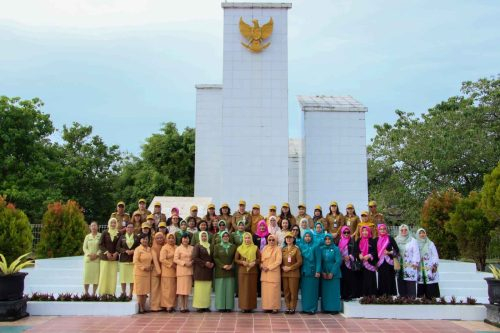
(182, 255)
(229, 221)
(168, 277)
(334, 224)
(143, 260)
(352, 223)
(271, 280)
(291, 221)
(144, 214)
(122, 220)
(377, 218)
(309, 219)
(247, 282)
(255, 220)
(292, 258)
(155, 301)
(237, 216)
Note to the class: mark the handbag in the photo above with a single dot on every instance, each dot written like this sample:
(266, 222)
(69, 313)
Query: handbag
(397, 264)
(356, 266)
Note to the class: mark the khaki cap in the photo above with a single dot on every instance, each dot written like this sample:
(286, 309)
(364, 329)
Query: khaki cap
(372, 203)
(256, 206)
(285, 204)
(142, 200)
(350, 205)
(145, 225)
(211, 206)
(242, 202)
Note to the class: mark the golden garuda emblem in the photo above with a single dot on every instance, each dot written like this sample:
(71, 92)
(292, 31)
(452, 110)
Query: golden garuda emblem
(255, 35)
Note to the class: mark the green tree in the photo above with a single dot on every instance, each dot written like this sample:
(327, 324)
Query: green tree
(451, 146)
(15, 231)
(435, 216)
(63, 230)
(89, 171)
(27, 157)
(471, 228)
(490, 203)
(166, 167)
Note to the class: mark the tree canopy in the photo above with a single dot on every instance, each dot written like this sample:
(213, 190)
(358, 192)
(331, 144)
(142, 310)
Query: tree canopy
(451, 146)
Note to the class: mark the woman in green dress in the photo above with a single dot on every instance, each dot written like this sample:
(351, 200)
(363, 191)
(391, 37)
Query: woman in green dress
(216, 239)
(224, 273)
(91, 259)
(196, 237)
(330, 276)
(183, 230)
(310, 273)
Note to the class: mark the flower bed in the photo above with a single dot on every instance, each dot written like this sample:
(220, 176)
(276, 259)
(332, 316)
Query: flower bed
(387, 307)
(75, 305)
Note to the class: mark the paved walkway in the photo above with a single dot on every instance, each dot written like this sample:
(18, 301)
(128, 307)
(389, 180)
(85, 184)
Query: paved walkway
(238, 322)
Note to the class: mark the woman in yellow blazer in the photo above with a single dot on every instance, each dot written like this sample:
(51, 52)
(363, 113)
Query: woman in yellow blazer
(143, 265)
(168, 274)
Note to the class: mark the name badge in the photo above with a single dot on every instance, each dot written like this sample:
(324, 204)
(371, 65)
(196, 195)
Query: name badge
(289, 259)
(348, 223)
(335, 225)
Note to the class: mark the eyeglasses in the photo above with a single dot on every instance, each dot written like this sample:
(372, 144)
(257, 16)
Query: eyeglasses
(271, 240)
(295, 230)
(346, 232)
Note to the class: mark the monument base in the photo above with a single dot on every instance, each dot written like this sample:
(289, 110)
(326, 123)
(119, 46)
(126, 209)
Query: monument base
(493, 314)
(13, 310)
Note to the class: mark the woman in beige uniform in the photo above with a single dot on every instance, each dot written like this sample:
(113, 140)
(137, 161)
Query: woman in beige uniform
(183, 258)
(270, 276)
(143, 265)
(168, 275)
(158, 243)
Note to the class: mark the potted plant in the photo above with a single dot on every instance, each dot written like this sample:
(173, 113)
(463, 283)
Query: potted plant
(12, 301)
(494, 285)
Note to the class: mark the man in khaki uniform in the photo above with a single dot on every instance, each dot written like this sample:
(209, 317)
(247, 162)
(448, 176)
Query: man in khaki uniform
(158, 215)
(373, 215)
(255, 217)
(241, 214)
(193, 212)
(303, 215)
(142, 210)
(272, 212)
(120, 216)
(334, 221)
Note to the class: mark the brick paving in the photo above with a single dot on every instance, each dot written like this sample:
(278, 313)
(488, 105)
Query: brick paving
(242, 323)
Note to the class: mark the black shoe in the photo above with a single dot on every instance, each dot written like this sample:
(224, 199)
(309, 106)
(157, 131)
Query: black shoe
(200, 310)
(334, 313)
(275, 311)
(311, 313)
(292, 312)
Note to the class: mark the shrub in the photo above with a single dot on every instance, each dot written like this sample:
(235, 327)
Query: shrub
(435, 215)
(63, 230)
(471, 228)
(15, 231)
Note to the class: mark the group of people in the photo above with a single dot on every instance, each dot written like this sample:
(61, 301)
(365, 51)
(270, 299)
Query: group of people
(245, 254)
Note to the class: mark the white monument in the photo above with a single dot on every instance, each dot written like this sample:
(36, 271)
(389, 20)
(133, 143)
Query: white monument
(242, 126)
(333, 162)
(242, 145)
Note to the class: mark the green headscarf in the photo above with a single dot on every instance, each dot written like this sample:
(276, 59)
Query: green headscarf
(225, 245)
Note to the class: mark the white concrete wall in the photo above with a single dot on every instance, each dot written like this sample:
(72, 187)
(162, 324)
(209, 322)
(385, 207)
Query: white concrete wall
(208, 142)
(294, 160)
(255, 111)
(335, 159)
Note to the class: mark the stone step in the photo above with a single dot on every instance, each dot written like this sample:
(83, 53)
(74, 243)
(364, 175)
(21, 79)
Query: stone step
(454, 276)
(474, 292)
(456, 266)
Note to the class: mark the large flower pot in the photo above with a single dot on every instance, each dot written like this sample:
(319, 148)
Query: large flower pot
(12, 286)
(493, 290)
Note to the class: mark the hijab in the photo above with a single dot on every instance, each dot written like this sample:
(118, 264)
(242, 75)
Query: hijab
(156, 247)
(270, 249)
(307, 249)
(332, 244)
(248, 251)
(170, 246)
(262, 234)
(303, 230)
(205, 244)
(403, 240)
(238, 232)
(383, 240)
(344, 239)
(273, 229)
(225, 244)
(322, 232)
(365, 241)
(113, 232)
(423, 244)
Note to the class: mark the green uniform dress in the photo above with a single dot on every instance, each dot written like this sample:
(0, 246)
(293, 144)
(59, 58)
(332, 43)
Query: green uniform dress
(309, 284)
(224, 279)
(330, 288)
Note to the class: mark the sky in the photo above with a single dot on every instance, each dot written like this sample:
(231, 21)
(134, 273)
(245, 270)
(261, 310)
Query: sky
(127, 66)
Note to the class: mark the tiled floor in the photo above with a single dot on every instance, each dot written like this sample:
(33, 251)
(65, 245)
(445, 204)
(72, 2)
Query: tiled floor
(241, 323)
